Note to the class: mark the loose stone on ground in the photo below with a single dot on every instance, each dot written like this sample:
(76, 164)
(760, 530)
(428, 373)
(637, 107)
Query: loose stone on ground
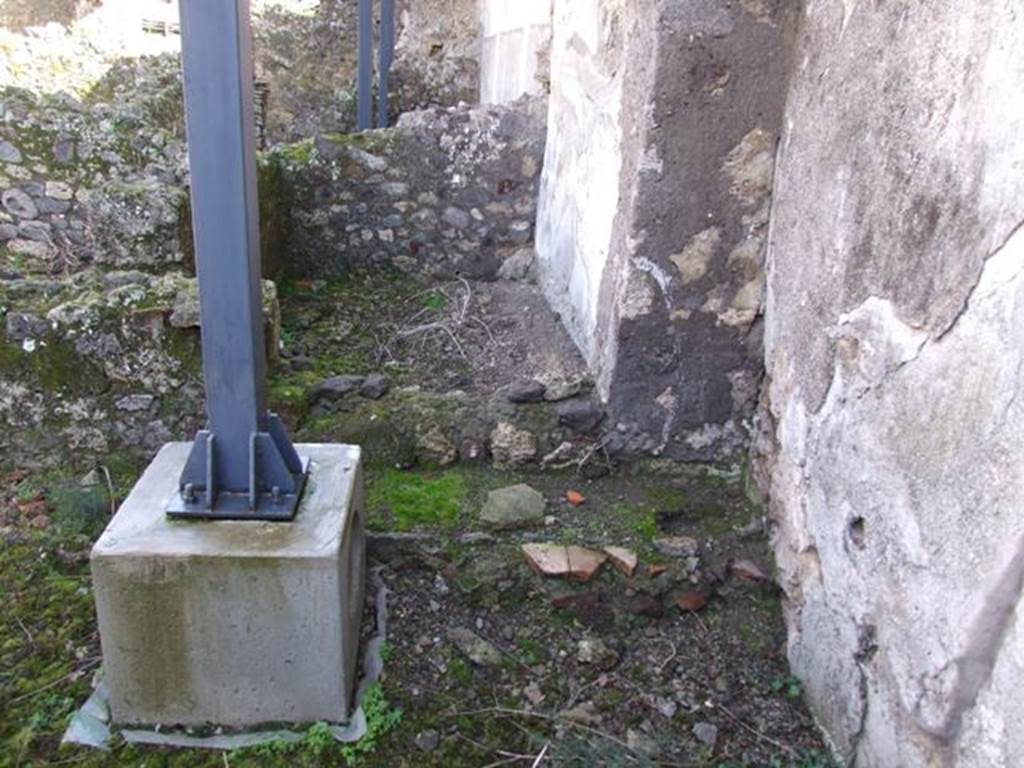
(478, 650)
(517, 506)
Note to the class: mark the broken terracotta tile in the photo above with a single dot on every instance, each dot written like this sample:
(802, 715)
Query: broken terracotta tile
(747, 570)
(547, 559)
(693, 601)
(572, 562)
(623, 559)
(33, 507)
(575, 498)
(584, 563)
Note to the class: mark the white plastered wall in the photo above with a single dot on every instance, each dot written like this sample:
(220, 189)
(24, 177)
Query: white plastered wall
(579, 194)
(516, 35)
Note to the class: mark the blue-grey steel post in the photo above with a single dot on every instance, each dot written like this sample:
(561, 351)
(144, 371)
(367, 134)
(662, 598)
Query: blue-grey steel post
(242, 465)
(364, 96)
(387, 53)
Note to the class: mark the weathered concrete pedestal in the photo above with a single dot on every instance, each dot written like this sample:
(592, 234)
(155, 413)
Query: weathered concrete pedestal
(233, 623)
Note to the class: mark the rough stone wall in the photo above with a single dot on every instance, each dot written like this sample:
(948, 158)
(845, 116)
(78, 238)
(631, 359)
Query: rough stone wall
(99, 344)
(305, 53)
(99, 183)
(654, 208)
(894, 422)
(437, 54)
(445, 192)
(104, 366)
(515, 49)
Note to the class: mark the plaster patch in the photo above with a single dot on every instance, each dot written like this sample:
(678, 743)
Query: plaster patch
(651, 161)
(663, 280)
(666, 399)
(750, 166)
(692, 262)
(670, 403)
(718, 82)
(759, 218)
(743, 386)
(707, 435)
(746, 258)
(743, 309)
(638, 297)
(873, 342)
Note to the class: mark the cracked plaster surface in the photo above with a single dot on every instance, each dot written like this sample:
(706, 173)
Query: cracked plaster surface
(895, 360)
(929, 435)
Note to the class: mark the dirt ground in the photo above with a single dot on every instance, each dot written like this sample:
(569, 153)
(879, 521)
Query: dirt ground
(473, 336)
(611, 672)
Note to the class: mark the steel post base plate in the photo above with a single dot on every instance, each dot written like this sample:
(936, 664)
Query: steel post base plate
(235, 506)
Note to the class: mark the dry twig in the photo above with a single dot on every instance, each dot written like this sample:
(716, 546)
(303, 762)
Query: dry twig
(449, 325)
(25, 630)
(551, 718)
(110, 489)
(72, 675)
(761, 736)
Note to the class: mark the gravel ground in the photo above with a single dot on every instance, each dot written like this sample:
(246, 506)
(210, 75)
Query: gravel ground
(492, 661)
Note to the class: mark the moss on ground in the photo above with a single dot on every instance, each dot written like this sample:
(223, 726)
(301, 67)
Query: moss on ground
(404, 500)
(48, 650)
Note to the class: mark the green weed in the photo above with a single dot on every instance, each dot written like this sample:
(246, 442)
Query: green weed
(381, 718)
(790, 687)
(434, 300)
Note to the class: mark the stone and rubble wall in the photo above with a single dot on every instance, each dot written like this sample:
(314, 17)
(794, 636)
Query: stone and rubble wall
(102, 365)
(99, 344)
(437, 54)
(446, 192)
(92, 184)
(103, 181)
(305, 54)
(654, 208)
(94, 216)
(893, 436)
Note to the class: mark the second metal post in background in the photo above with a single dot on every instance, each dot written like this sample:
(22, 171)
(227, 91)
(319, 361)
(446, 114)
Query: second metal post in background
(364, 107)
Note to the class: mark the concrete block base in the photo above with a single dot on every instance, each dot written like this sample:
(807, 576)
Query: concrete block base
(233, 623)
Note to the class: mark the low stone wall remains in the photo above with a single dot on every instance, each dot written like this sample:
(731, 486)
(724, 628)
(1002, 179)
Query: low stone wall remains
(446, 192)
